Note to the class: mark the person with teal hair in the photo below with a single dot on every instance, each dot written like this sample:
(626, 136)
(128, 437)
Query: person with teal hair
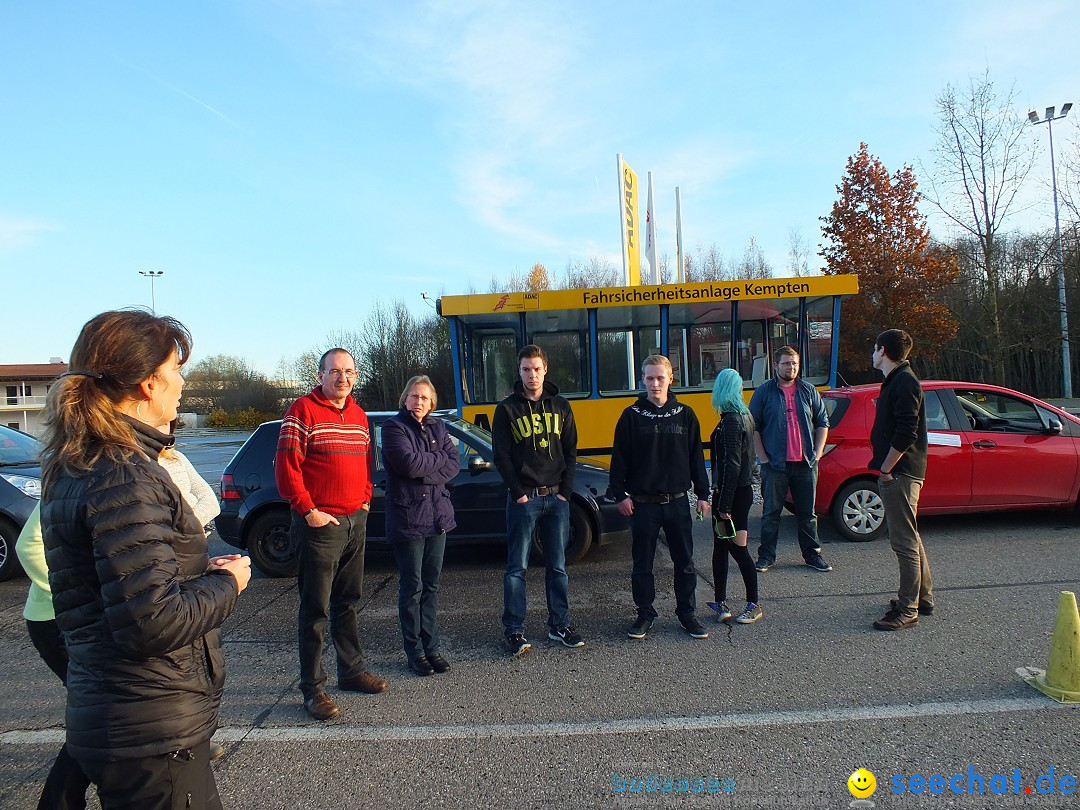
(732, 444)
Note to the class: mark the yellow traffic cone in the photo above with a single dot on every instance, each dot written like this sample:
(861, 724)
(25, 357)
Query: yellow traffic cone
(1061, 680)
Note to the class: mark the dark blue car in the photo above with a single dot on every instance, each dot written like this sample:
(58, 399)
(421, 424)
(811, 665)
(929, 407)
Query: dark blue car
(255, 517)
(20, 491)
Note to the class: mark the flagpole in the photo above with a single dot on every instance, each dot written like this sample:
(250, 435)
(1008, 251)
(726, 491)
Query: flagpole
(678, 234)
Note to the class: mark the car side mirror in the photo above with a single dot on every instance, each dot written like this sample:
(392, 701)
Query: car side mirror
(1054, 426)
(478, 465)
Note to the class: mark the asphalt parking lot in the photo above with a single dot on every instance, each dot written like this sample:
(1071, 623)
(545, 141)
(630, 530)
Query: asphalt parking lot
(776, 714)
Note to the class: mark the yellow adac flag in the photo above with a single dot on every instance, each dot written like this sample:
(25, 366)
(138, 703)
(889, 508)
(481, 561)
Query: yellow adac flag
(628, 209)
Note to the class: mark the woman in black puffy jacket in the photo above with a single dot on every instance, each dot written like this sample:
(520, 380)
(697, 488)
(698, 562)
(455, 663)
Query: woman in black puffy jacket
(419, 458)
(733, 494)
(137, 599)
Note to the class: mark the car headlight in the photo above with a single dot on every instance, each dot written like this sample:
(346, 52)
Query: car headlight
(26, 484)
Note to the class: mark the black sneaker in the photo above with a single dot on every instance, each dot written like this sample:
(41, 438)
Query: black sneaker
(640, 628)
(762, 566)
(695, 628)
(817, 562)
(518, 644)
(568, 636)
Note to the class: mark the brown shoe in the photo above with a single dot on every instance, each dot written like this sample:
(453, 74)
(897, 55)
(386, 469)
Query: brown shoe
(321, 707)
(217, 751)
(924, 610)
(364, 682)
(894, 620)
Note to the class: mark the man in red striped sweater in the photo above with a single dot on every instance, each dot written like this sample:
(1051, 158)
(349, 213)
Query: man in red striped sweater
(322, 467)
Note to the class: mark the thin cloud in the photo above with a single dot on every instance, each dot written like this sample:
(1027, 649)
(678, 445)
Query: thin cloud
(17, 233)
(512, 92)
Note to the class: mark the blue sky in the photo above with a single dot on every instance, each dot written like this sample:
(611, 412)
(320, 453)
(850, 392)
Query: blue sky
(288, 162)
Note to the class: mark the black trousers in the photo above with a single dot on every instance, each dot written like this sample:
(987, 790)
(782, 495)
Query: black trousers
(645, 525)
(65, 786)
(330, 583)
(181, 780)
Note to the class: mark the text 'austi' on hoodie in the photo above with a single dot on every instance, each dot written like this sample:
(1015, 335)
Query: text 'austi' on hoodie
(535, 443)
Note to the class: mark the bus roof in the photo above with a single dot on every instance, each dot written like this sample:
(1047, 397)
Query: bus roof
(700, 292)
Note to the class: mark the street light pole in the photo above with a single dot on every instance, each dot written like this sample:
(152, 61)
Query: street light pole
(152, 275)
(1066, 358)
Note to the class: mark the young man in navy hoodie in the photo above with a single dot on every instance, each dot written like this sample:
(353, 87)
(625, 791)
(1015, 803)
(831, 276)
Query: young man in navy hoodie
(656, 457)
(534, 441)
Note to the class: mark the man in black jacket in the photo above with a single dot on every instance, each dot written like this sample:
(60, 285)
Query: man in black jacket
(898, 442)
(655, 458)
(534, 441)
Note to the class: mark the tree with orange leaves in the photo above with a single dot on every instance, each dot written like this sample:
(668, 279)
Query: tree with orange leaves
(875, 231)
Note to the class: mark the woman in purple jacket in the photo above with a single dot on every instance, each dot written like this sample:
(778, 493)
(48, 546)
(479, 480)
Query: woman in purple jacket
(419, 458)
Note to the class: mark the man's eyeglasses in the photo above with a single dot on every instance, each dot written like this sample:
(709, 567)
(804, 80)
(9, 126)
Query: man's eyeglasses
(347, 373)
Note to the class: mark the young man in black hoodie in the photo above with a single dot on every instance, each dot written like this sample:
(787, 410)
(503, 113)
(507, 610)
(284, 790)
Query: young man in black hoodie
(534, 440)
(898, 441)
(655, 458)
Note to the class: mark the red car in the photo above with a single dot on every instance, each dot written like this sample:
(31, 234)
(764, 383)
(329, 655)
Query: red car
(990, 449)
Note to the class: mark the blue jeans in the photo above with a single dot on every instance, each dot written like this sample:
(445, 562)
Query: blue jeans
(330, 582)
(801, 479)
(419, 564)
(645, 525)
(551, 516)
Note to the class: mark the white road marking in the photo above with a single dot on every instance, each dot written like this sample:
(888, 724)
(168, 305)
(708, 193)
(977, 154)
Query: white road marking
(344, 731)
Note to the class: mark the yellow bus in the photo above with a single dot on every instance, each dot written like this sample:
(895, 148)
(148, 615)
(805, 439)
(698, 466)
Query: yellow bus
(595, 340)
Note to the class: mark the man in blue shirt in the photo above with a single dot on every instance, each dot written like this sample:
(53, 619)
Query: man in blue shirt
(791, 426)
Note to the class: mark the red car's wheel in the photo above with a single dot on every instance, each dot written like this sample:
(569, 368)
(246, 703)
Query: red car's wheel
(858, 513)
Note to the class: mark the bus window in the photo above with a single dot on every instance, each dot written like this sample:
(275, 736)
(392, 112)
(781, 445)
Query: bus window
(764, 326)
(564, 337)
(615, 360)
(752, 352)
(625, 337)
(496, 372)
(487, 352)
(784, 324)
(819, 334)
(699, 335)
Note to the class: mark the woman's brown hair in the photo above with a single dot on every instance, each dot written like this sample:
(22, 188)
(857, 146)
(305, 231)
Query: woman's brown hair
(114, 353)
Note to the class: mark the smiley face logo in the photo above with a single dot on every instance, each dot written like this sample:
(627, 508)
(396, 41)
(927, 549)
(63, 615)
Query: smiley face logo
(862, 784)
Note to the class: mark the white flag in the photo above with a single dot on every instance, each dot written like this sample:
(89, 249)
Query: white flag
(650, 238)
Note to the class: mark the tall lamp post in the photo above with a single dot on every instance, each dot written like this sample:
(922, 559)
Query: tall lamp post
(1066, 358)
(152, 275)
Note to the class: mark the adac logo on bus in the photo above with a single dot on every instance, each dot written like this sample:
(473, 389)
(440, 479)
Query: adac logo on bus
(517, 301)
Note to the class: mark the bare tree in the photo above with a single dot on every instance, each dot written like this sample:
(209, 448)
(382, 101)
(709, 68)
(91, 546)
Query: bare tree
(594, 273)
(753, 264)
(983, 156)
(222, 382)
(706, 264)
(798, 253)
(1068, 176)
